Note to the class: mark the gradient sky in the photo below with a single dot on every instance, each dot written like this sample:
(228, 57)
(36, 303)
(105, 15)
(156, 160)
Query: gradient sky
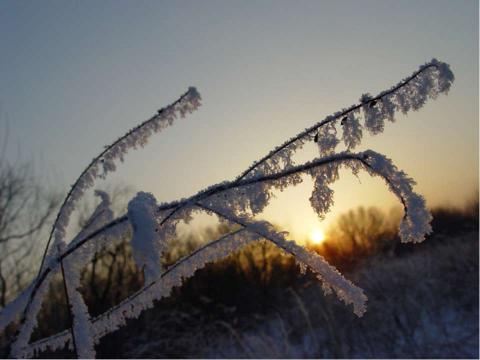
(77, 74)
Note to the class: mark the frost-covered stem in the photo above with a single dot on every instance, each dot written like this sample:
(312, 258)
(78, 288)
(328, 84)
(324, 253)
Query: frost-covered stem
(330, 277)
(240, 222)
(345, 156)
(41, 278)
(215, 189)
(177, 264)
(387, 180)
(182, 262)
(308, 131)
(227, 200)
(372, 161)
(175, 205)
(69, 309)
(328, 120)
(119, 309)
(92, 163)
(204, 194)
(173, 212)
(232, 219)
(200, 249)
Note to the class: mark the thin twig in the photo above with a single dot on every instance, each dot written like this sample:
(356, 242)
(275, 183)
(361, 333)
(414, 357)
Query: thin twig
(69, 309)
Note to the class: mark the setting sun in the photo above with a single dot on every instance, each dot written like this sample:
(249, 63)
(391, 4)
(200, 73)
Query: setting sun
(317, 236)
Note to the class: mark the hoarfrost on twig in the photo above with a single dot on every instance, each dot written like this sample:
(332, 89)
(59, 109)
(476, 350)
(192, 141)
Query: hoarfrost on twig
(234, 201)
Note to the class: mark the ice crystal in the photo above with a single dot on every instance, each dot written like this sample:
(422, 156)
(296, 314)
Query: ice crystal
(352, 131)
(322, 195)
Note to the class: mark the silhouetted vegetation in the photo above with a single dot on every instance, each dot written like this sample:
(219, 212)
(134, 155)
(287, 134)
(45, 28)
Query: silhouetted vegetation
(25, 210)
(260, 287)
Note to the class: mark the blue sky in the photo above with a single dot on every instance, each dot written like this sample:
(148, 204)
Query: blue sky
(76, 75)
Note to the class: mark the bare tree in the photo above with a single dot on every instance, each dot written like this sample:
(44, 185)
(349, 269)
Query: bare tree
(360, 233)
(25, 210)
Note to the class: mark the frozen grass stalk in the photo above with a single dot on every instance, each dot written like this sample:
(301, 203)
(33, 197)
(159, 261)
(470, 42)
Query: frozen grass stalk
(235, 202)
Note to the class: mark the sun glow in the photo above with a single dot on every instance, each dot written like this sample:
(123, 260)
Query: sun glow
(317, 236)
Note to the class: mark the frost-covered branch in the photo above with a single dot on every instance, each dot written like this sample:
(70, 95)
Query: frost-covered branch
(157, 289)
(70, 311)
(429, 80)
(411, 93)
(376, 164)
(221, 194)
(73, 265)
(104, 163)
(236, 201)
(146, 244)
(330, 277)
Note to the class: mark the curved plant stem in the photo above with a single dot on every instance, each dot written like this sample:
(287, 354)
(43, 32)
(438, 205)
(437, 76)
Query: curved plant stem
(94, 161)
(69, 311)
(39, 278)
(313, 128)
(194, 200)
(329, 119)
(114, 309)
(145, 288)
